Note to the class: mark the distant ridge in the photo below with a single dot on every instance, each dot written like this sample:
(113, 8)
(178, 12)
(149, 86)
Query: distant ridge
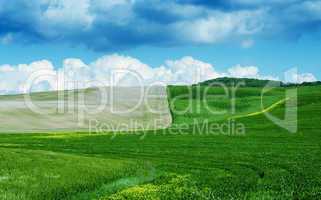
(251, 82)
(242, 82)
(302, 84)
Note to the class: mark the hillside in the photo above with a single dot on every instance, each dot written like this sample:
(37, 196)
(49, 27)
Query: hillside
(121, 108)
(251, 82)
(185, 161)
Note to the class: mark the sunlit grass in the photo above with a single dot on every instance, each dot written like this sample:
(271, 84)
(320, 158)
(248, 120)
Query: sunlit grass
(267, 162)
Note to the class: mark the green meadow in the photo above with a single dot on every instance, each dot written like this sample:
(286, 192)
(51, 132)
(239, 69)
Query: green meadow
(198, 157)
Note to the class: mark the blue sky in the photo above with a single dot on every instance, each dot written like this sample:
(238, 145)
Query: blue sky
(272, 36)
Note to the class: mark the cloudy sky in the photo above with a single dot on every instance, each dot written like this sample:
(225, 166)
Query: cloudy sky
(163, 40)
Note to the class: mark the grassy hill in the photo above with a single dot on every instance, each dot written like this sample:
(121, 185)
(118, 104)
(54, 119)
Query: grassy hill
(184, 161)
(77, 110)
(193, 103)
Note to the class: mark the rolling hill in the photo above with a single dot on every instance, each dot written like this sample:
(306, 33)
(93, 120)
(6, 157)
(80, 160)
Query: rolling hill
(184, 161)
(114, 108)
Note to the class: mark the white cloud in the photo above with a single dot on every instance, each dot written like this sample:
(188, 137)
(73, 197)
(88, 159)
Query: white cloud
(247, 43)
(107, 70)
(14, 79)
(301, 78)
(63, 17)
(118, 70)
(305, 11)
(6, 68)
(239, 71)
(219, 26)
(119, 12)
(189, 70)
(117, 24)
(244, 72)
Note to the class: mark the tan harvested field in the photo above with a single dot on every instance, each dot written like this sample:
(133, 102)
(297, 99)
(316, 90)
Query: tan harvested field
(104, 109)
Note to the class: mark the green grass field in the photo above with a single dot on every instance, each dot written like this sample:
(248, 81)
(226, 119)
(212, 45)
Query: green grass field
(179, 162)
